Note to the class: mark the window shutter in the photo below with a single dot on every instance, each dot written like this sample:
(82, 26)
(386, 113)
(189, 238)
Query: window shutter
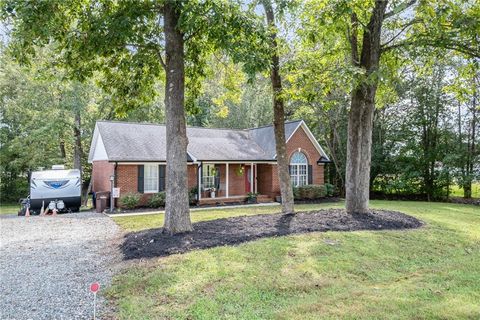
(310, 177)
(161, 177)
(140, 184)
(217, 176)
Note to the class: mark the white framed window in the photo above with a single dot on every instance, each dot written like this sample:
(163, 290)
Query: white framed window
(208, 176)
(150, 179)
(299, 169)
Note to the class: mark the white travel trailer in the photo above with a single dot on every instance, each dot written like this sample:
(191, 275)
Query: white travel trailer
(55, 189)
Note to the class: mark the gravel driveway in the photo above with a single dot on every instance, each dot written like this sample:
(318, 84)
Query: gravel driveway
(48, 263)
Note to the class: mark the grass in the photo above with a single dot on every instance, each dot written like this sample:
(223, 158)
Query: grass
(428, 273)
(6, 208)
(456, 191)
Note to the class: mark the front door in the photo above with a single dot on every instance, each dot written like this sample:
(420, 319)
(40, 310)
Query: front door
(247, 179)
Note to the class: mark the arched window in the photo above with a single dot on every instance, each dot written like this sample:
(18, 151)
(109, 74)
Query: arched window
(298, 169)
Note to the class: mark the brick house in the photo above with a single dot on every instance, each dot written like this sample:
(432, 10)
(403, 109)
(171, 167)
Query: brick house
(224, 164)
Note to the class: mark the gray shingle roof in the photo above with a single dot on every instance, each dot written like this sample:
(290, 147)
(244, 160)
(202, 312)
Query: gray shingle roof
(126, 141)
(142, 142)
(265, 136)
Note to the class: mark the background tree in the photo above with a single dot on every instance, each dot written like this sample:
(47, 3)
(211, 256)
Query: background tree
(125, 41)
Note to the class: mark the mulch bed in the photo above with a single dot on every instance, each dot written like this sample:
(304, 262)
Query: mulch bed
(230, 231)
(474, 201)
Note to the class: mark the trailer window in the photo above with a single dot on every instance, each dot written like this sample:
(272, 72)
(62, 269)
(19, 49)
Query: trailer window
(150, 178)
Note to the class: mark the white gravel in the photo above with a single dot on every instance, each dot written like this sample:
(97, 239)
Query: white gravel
(48, 263)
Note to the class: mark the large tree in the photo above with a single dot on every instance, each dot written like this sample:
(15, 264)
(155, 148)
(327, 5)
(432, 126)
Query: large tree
(129, 45)
(278, 112)
(373, 32)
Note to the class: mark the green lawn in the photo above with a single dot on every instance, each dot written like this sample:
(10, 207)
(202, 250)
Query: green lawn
(456, 191)
(9, 208)
(429, 273)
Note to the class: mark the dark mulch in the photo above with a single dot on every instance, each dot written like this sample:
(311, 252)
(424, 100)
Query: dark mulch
(231, 231)
(474, 201)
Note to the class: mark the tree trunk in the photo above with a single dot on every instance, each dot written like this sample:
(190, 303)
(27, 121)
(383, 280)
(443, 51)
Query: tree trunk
(360, 119)
(63, 153)
(279, 115)
(359, 150)
(78, 150)
(471, 152)
(177, 213)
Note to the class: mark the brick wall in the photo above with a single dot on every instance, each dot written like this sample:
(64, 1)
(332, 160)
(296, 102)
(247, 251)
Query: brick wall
(127, 180)
(236, 182)
(192, 175)
(265, 178)
(301, 140)
(101, 172)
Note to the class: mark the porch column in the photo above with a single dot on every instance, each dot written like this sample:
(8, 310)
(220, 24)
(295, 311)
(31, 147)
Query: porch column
(226, 180)
(256, 175)
(251, 177)
(199, 184)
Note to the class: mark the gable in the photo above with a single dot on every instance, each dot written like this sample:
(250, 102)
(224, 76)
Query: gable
(303, 138)
(100, 153)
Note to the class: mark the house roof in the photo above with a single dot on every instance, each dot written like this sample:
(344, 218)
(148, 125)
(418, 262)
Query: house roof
(142, 142)
(265, 136)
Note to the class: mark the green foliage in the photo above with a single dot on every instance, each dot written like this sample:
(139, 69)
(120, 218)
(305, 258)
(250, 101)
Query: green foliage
(157, 200)
(130, 200)
(252, 196)
(124, 41)
(330, 190)
(192, 195)
(309, 192)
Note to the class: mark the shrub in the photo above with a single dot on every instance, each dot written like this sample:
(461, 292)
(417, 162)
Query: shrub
(330, 189)
(130, 200)
(309, 192)
(157, 200)
(192, 195)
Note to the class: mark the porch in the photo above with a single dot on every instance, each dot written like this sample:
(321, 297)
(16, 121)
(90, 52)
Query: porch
(231, 182)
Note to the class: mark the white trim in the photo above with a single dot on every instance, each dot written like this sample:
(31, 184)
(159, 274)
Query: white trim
(148, 162)
(226, 179)
(256, 175)
(293, 132)
(251, 178)
(155, 167)
(192, 163)
(199, 183)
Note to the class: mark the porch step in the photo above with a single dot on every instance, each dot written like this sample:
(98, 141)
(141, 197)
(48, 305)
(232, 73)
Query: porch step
(262, 198)
(240, 199)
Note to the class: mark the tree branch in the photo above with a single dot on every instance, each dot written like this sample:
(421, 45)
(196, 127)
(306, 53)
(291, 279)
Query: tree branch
(353, 37)
(399, 8)
(412, 22)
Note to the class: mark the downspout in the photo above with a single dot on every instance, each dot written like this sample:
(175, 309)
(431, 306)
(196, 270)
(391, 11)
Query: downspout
(114, 185)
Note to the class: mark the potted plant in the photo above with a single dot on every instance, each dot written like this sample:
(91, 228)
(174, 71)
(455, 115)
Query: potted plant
(252, 197)
(212, 192)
